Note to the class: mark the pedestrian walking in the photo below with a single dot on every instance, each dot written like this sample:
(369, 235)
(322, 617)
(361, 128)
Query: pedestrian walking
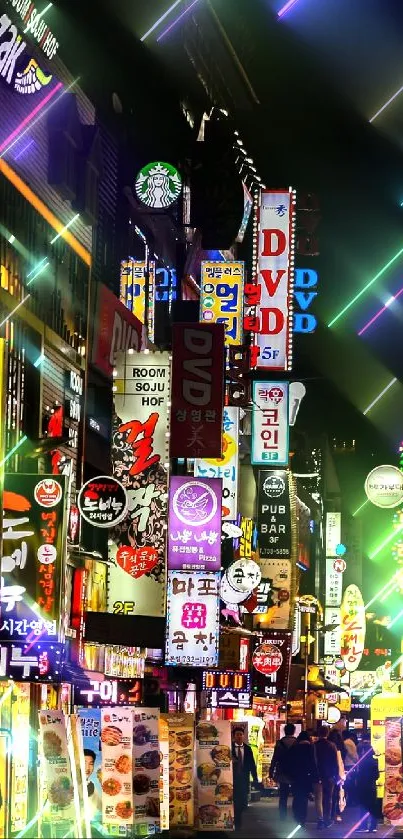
(350, 762)
(243, 766)
(281, 766)
(328, 771)
(304, 774)
(338, 799)
(367, 774)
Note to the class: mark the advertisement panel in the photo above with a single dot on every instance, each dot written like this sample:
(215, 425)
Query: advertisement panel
(221, 297)
(164, 791)
(90, 720)
(181, 751)
(392, 804)
(197, 390)
(353, 626)
(274, 514)
(334, 582)
(146, 779)
(271, 662)
(34, 520)
(215, 791)
(20, 711)
(332, 636)
(139, 458)
(226, 467)
(270, 424)
(117, 773)
(333, 533)
(193, 619)
(133, 287)
(31, 661)
(115, 330)
(277, 575)
(274, 277)
(383, 707)
(62, 793)
(194, 532)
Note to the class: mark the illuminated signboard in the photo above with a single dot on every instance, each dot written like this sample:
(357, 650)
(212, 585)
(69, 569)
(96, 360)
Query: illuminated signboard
(271, 662)
(333, 533)
(353, 626)
(306, 279)
(193, 619)
(334, 581)
(225, 467)
(31, 662)
(23, 73)
(332, 636)
(270, 429)
(158, 185)
(274, 514)
(133, 287)
(102, 501)
(307, 246)
(384, 486)
(107, 692)
(231, 689)
(221, 297)
(36, 26)
(194, 533)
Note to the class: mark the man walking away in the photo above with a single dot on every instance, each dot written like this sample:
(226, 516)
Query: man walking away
(328, 771)
(281, 766)
(367, 776)
(243, 765)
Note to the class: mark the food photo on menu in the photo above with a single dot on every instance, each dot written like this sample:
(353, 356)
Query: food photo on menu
(146, 777)
(181, 749)
(393, 793)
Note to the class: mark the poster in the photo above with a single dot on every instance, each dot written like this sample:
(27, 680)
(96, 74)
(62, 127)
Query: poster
(332, 636)
(221, 297)
(274, 519)
(117, 767)
(271, 660)
(192, 618)
(270, 424)
(383, 706)
(90, 720)
(146, 771)
(57, 768)
(194, 532)
(215, 792)
(392, 798)
(227, 466)
(333, 533)
(31, 567)
(181, 753)
(164, 790)
(20, 762)
(274, 249)
(276, 574)
(197, 390)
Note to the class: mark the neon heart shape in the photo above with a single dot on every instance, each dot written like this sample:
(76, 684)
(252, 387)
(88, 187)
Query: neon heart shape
(136, 561)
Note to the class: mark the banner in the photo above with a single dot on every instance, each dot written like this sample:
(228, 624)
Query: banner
(353, 626)
(194, 533)
(56, 765)
(117, 772)
(20, 713)
(137, 572)
(32, 565)
(193, 618)
(133, 287)
(334, 582)
(197, 390)
(181, 753)
(215, 791)
(392, 799)
(221, 297)
(274, 250)
(147, 771)
(332, 636)
(271, 662)
(277, 577)
(333, 533)
(225, 467)
(270, 424)
(90, 720)
(274, 514)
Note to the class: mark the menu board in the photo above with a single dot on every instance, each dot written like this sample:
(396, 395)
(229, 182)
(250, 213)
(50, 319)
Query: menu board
(146, 772)
(392, 798)
(215, 791)
(164, 789)
(90, 720)
(57, 770)
(181, 752)
(20, 761)
(383, 707)
(117, 776)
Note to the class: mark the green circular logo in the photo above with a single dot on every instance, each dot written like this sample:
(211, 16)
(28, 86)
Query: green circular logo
(158, 185)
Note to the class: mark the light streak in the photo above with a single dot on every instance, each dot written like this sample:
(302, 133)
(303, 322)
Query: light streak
(382, 393)
(387, 585)
(293, 832)
(18, 132)
(361, 507)
(171, 26)
(33, 821)
(11, 239)
(356, 826)
(13, 450)
(6, 695)
(39, 360)
(389, 591)
(363, 290)
(395, 619)
(20, 153)
(386, 542)
(288, 6)
(381, 311)
(160, 19)
(37, 266)
(66, 227)
(41, 14)
(386, 105)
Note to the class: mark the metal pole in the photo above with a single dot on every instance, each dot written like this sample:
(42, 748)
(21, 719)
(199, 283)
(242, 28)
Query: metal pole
(306, 662)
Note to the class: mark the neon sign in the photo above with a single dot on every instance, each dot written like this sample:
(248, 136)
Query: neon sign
(306, 279)
(36, 26)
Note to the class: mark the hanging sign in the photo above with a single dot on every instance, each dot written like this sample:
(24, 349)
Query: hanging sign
(333, 533)
(133, 287)
(36, 26)
(147, 772)
(31, 662)
(225, 467)
(192, 619)
(332, 636)
(274, 514)
(194, 533)
(334, 581)
(63, 804)
(270, 429)
(384, 486)
(271, 661)
(353, 626)
(227, 690)
(158, 185)
(115, 330)
(221, 297)
(197, 390)
(277, 575)
(215, 790)
(102, 501)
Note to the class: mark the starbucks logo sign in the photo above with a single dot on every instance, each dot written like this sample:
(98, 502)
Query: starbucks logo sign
(158, 185)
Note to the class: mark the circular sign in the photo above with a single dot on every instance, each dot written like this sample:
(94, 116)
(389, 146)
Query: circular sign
(158, 185)
(229, 595)
(340, 565)
(102, 501)
(333, 714)
(339, 664)
(48, 493)
(267, 659)
(47, 554)
(194, 503)
(244, 575)
(274, 486)
(384, 486)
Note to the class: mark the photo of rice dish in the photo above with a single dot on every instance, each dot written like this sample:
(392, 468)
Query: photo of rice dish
(208, 773)
(206, 731)
(61, 792)
(184, 758)
(124, 810)
(52, 745)
(224, 793)
(111, 735)
(123, 764)
(221, 755)
(150, 760)
(111, 786)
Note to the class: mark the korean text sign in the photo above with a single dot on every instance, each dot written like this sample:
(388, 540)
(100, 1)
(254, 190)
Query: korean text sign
(133, 287)
(274, 514)
(193, 619)
(225, 467)
(271, 662)
(270, 427)
(197, 390)
(274, 248)
(334, 581)
(353, 626)
(194, 538)
(32, 563)
(221, 297)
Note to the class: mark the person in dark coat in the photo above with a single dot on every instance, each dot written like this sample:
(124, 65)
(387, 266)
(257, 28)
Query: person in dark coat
(280, 767)
(328, 770)
(243, 766)
(367, 774)
(304, 776)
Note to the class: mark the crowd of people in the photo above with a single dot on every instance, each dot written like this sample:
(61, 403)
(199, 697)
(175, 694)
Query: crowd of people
(330, 767)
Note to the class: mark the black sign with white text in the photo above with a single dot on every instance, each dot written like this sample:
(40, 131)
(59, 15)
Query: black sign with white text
(274, 514)
(31, 662)
(107, 692)
(271, 660)
(102, 501)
